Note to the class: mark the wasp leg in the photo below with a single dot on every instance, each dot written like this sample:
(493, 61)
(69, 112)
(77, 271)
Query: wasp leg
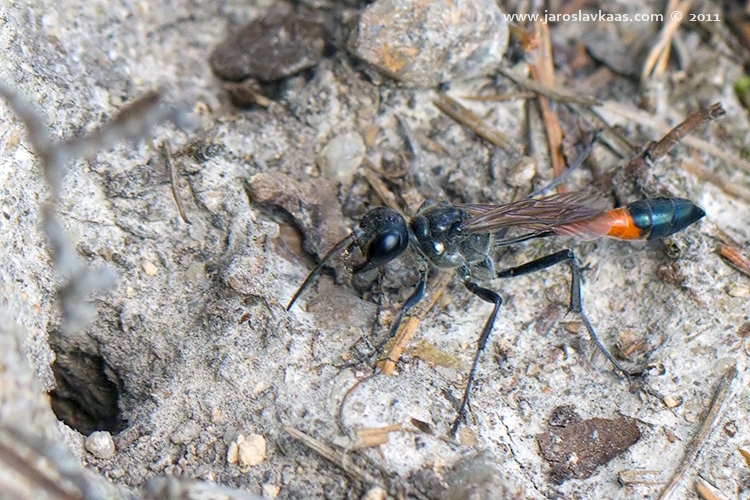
(376, 322)
(575, 293)
(357, 356)
(493, 298)
(412, 301)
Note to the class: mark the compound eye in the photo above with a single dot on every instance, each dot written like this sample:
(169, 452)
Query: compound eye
(386, 247)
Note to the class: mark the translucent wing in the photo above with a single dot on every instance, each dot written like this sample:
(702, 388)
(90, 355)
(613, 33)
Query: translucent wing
(536, 214)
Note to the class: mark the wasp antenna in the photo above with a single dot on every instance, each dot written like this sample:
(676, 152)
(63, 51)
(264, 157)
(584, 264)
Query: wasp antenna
(333, 251)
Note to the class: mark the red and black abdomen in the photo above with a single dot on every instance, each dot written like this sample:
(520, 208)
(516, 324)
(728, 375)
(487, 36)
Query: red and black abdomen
(641, 220)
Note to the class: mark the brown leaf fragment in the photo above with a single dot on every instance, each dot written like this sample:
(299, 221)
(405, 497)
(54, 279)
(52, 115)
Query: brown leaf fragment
(545, 321)
(269, 49)
(430, 353)
(577, 450)
(309, 205)
(278, 190)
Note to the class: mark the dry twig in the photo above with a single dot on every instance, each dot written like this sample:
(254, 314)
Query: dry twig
(659, 150)
(543, 71)
(735, 258)
(462, 115)
(656, 61)
(407, 328)
(337, 458)
(642, 118)
(166, 150)
(694, 447)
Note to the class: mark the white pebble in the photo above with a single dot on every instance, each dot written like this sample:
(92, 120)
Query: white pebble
(376, 493)
(342, 156)
(252, 451)
(270, 490)
(233, 453)
(149, 268)
(100, 444)
(248, 451)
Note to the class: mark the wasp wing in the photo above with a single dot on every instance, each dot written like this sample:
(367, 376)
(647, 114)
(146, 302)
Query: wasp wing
(536, 214)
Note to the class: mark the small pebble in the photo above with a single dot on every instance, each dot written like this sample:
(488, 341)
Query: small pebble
(252, 451)
(260, 387)
(730, 428)
(270, 490)
(376, 493)
(672, 402)
(270, 229)
(743, 331)
(100, 444)
(149, 268)
(342, 156)
(247, 451)
(185, 432)
(479, 476)
(738, 290)
(233, 453)
(521, 174)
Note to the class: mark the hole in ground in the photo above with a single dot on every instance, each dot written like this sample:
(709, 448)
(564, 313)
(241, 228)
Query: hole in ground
(87, 393)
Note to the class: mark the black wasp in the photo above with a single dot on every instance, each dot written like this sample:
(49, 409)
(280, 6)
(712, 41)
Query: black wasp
(463, 238)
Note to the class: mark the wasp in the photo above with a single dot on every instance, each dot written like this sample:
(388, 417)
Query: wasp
(467, 238)
(463, 238)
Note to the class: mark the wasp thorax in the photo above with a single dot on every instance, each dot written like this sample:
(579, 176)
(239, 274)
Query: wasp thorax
(438, 231)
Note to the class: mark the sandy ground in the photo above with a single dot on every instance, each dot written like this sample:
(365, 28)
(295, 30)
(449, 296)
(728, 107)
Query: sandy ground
(194, 338)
